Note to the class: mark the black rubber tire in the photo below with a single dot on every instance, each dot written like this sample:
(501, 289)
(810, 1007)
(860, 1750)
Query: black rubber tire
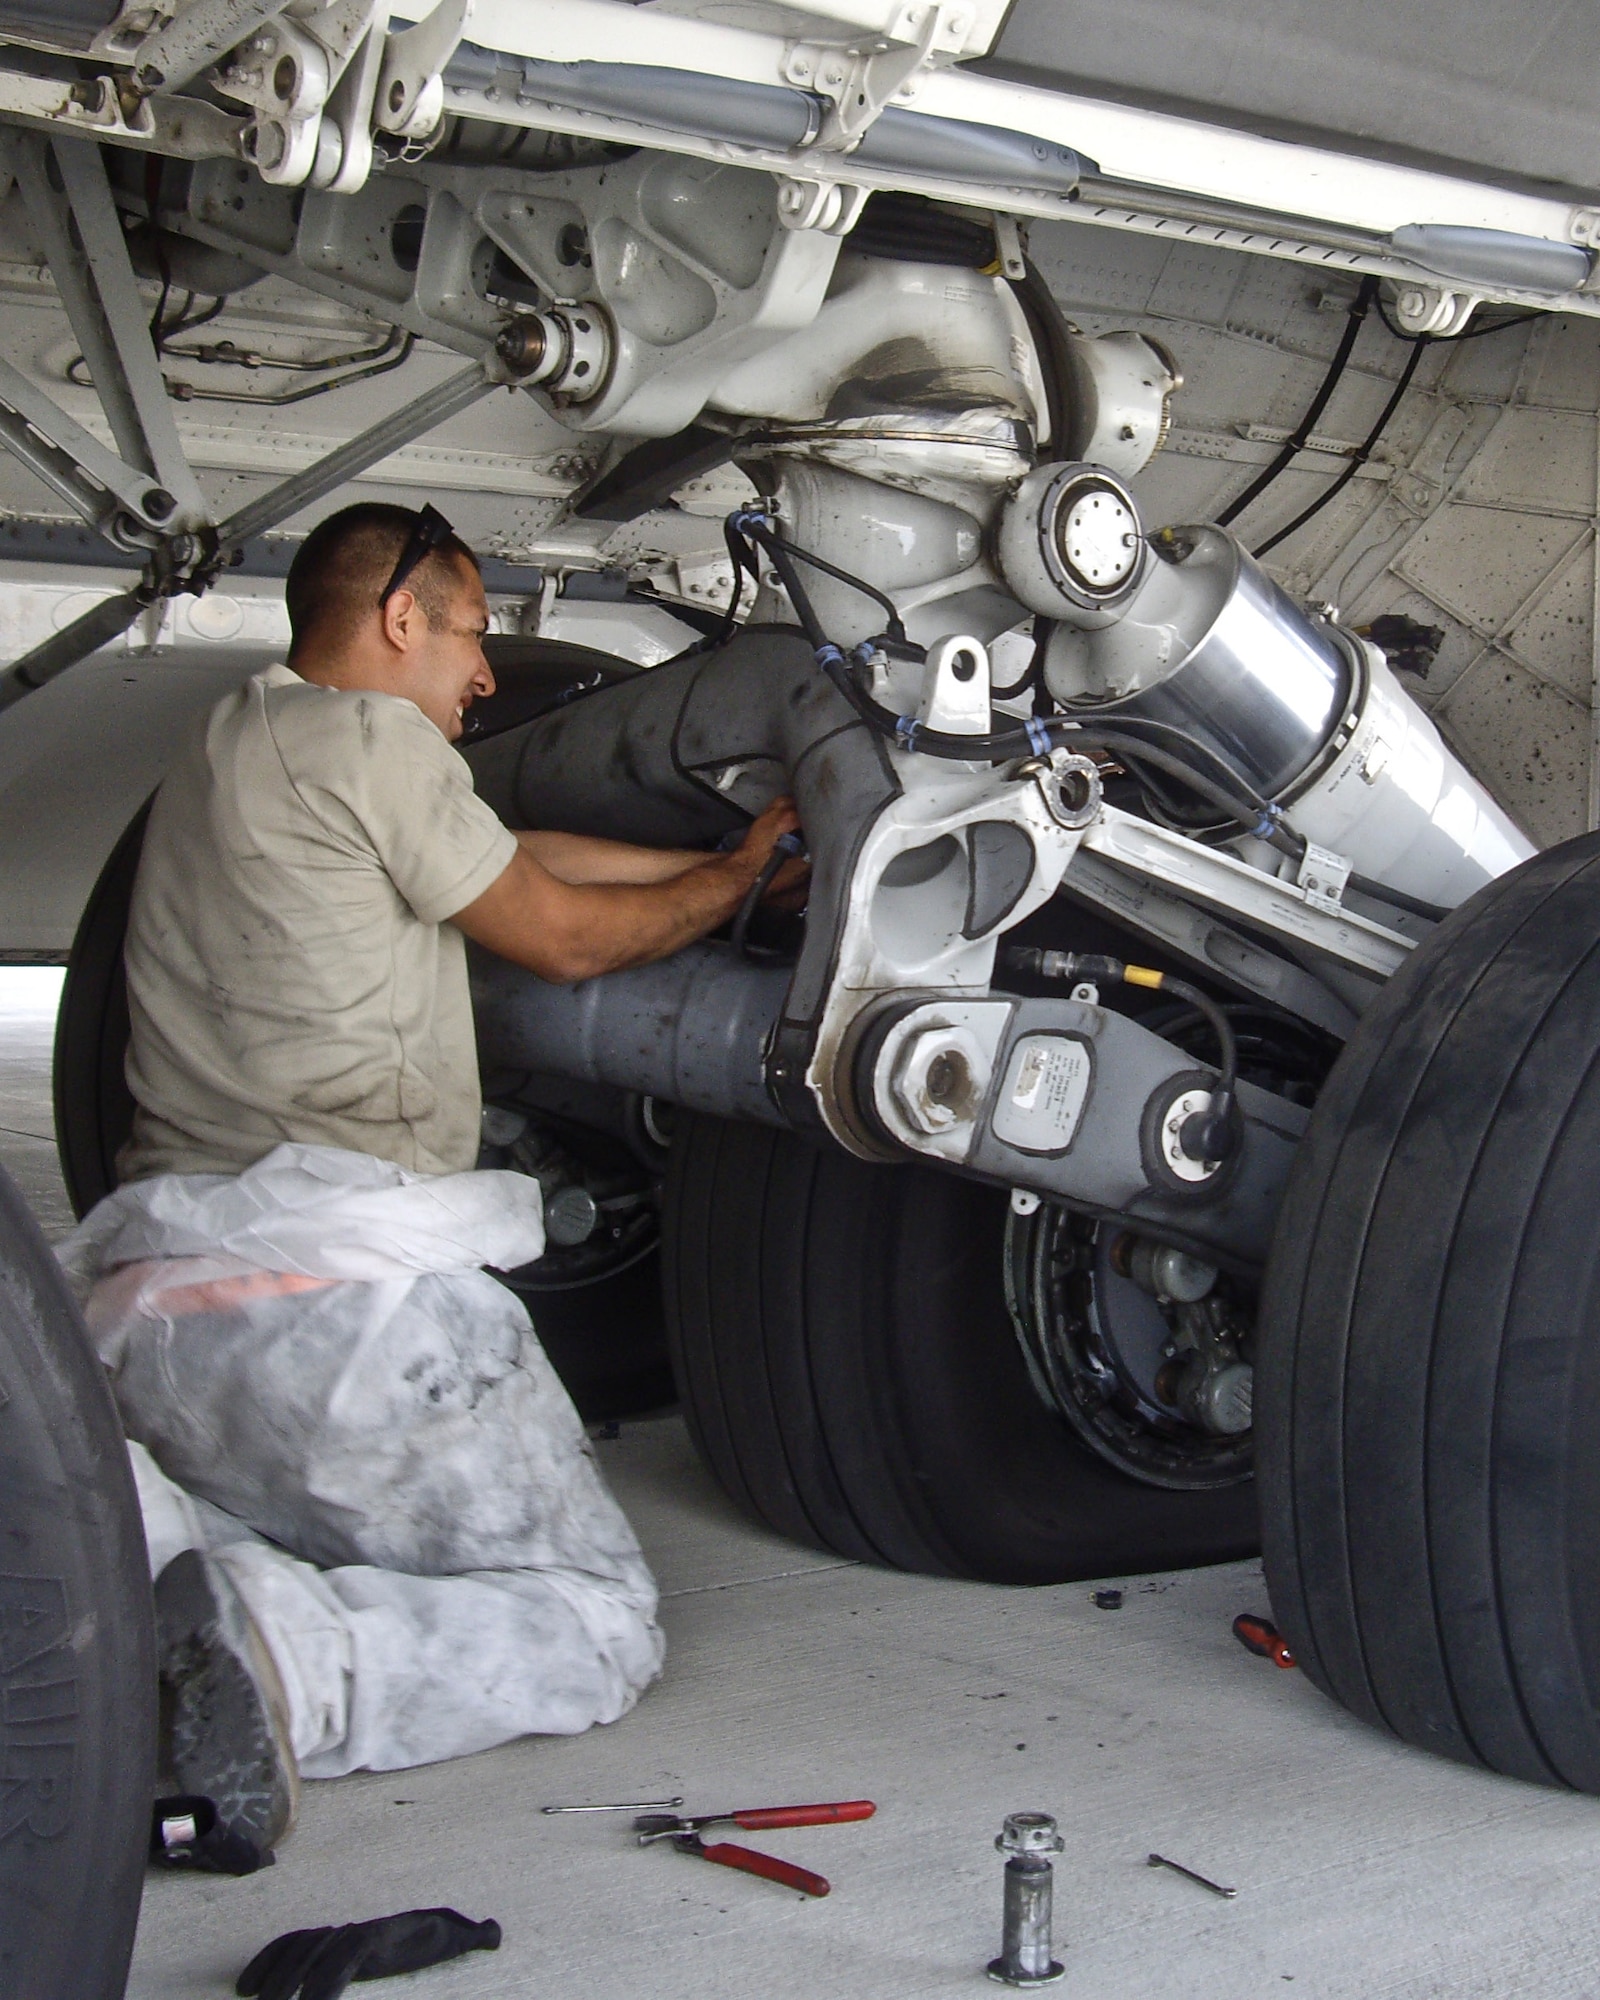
(93, 1104)
(77, 1646)
(1428, 1395)
(852, 1379)
(606, 1341)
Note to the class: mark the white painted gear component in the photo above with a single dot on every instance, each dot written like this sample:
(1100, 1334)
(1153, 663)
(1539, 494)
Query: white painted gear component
(1123, 385)
(1097, 538)
(1071, 544)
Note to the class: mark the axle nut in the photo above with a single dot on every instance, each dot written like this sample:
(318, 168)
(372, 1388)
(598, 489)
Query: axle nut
(940, 1079)
(522, 345)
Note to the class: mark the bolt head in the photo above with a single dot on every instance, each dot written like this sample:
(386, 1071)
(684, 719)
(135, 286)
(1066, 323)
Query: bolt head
(1029, 1833)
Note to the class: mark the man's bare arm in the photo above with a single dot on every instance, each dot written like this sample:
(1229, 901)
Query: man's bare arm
(580, 857)
(565, 931)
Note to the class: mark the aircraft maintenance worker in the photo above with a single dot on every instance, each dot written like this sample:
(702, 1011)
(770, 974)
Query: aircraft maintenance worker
(377, 1528)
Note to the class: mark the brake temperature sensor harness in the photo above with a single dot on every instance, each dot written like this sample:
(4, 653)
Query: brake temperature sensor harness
(1209, 1135)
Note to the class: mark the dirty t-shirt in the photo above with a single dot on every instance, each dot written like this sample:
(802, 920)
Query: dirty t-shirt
(291, 974)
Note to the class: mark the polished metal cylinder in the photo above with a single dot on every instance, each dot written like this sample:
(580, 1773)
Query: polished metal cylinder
(1261, 685)
(1028, 1840)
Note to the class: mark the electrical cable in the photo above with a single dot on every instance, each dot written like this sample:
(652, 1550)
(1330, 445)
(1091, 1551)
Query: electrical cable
(1237, 799)
(1300, 436)
(1357, 459)
(1418, 342)
(1211, 1135)
(1450, 339)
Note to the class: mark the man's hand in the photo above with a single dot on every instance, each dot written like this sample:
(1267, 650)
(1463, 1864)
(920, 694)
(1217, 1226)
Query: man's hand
(789, 887)
(566, 931)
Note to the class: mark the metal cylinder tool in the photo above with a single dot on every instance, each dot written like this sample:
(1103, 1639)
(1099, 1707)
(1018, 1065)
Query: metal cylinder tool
(1027, 1840)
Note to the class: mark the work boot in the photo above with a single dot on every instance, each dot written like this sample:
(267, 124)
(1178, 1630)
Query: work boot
(225, 1715)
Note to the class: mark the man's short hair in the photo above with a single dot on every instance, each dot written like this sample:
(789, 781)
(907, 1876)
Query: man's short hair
(340, 570)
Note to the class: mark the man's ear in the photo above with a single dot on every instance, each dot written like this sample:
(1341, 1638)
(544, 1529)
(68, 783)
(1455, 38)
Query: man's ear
(404, 620)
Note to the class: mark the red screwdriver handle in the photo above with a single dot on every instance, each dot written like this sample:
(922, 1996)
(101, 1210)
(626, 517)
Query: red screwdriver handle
(1261, 1637)
(746, 1858)
(755, 1817)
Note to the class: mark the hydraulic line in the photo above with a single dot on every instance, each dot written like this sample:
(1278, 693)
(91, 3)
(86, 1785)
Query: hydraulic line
(786, 847)
(1035, 737)
(1356, 460)
(1300, 436)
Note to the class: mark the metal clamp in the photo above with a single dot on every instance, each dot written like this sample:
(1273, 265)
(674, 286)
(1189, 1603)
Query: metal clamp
(861, 81)
(1323, 875)
(832, 208)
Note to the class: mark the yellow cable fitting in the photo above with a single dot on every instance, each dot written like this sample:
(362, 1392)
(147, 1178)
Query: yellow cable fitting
(1142, 975)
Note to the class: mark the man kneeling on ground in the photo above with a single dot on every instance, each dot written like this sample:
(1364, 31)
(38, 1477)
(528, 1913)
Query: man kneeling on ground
(377, 1528)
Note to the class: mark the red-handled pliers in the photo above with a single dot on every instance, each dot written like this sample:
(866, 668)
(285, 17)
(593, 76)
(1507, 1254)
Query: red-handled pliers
(685, 1837)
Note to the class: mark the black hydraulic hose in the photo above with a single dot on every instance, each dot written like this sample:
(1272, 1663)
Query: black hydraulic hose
(1037, 736)
(785, 554)
(1357, 459)
(1209, 1135)
(1397, 899)
(1419, 342)
(1052, 344)
(785, 848)
(1298, 438)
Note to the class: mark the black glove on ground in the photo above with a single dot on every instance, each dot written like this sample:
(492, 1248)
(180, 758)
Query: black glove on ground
(320, 1964)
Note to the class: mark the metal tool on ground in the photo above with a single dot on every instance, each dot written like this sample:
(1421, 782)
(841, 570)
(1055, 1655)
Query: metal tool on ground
(749, 1862)
(624, 1805)
(685, 1837)
(1177, 1867)
(1028, 1839)
(1261, 1637)
(754, 1819)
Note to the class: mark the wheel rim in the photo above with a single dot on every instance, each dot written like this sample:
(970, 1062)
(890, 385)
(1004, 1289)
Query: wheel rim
(1096, 1344)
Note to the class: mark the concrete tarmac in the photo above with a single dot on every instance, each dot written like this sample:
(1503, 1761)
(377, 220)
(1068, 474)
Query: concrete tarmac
(1364, 1870)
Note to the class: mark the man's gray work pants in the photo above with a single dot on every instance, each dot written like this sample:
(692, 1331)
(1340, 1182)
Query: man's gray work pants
(388, 1469)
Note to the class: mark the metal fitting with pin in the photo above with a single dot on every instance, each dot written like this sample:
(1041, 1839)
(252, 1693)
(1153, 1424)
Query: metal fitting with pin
(1028, 1839)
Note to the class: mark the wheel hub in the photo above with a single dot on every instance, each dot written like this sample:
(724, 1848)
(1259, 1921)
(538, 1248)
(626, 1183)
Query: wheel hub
(1143, 1350)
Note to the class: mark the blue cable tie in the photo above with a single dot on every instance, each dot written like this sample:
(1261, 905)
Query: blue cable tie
(1038, 736)
(905, 732)
(1267, 825)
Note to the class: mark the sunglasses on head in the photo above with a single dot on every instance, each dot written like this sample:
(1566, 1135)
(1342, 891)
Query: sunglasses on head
(431, 531)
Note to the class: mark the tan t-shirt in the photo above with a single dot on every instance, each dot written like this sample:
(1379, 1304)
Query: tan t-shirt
(290, 971)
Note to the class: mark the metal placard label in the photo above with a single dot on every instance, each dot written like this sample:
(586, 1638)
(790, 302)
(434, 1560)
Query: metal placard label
(1045, 1090)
